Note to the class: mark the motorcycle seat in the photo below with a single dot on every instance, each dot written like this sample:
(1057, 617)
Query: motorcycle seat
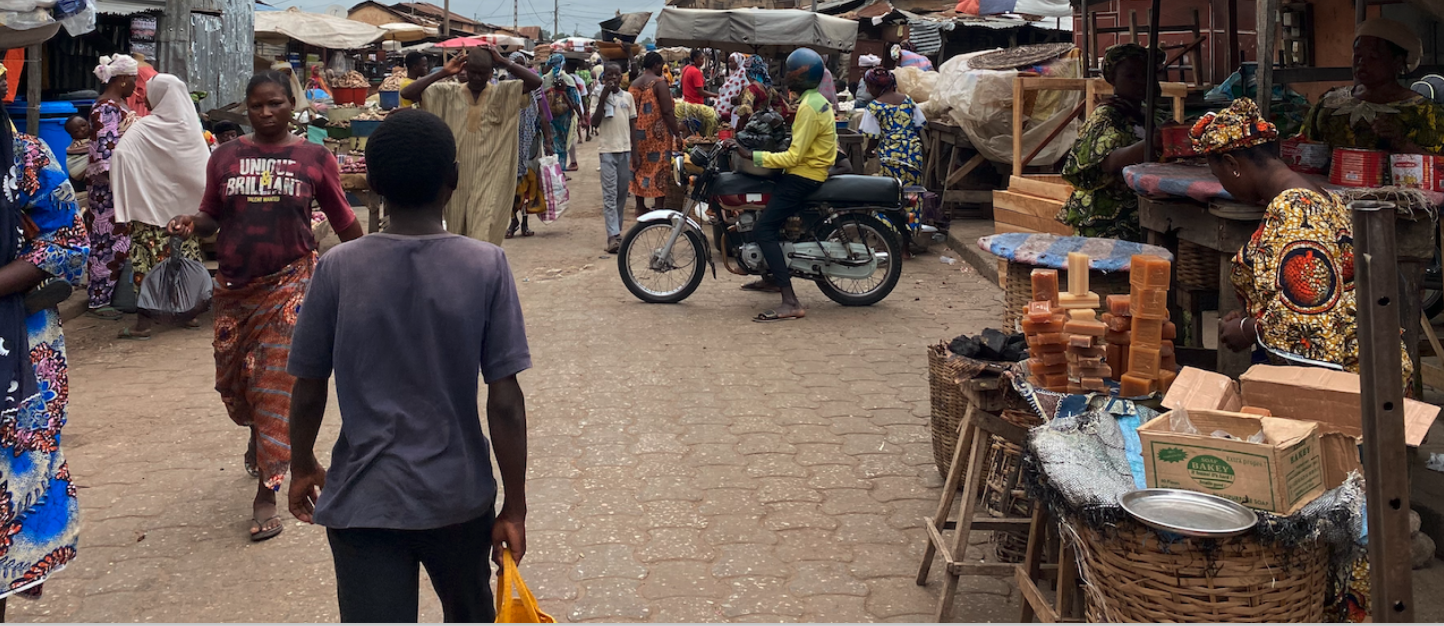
(736, 184)
(851, 189)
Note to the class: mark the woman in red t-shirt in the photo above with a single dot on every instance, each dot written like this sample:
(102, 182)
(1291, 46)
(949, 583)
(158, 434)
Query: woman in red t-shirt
(259, 191)
(693, 82)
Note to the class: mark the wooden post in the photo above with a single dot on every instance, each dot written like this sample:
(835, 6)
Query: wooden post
(1231, 24)
(1195, 58)
(1268, 17)
(1133, 26)
(32, 90)
(173, 45)
(1386, 466)
(1151, 94)
(1087, 41)
(1361, 11)
(1018, 92)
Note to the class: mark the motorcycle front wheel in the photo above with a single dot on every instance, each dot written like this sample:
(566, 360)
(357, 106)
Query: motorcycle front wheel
(652, 278)
(882, 243)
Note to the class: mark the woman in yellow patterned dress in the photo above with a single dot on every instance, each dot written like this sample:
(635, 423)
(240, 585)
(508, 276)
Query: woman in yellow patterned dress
(1295, 276)
(1378, 112)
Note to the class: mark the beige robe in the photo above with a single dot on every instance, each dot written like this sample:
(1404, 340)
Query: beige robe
(486, 152)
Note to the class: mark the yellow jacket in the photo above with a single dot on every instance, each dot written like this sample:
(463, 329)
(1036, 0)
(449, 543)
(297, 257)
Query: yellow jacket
(814, 141)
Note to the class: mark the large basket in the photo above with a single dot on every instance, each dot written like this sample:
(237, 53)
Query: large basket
(1132, 576)
(1197, 266)
(1018, 289)
(946, 377)
(1003, 496)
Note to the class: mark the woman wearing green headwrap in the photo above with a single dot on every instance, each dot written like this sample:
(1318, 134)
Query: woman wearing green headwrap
(1102, 205)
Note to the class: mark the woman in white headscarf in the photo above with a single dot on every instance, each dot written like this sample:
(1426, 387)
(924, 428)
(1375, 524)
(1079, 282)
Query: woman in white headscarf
(109, 237)
(862, 95)
(731, 91)
(302, 103)
(158, 171)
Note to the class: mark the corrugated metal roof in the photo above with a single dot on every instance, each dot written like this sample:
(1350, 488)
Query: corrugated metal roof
(127, 7)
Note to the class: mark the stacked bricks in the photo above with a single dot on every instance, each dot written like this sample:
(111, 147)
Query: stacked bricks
(1085, 353)
(1150, 364)
(1043, 325)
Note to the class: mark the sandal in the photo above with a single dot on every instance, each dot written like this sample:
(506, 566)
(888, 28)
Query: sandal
(107, 313)
(192, 325)
(133, 335)
(772, 316)
(47, 295)
(761, 286)
(527, 232)
(262, 533)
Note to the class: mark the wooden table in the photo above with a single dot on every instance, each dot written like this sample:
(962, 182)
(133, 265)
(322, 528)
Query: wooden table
(356, 183)
(948, 158)
(1169, 220)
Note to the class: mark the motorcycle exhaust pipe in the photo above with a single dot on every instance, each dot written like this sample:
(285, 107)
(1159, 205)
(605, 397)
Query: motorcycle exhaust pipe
(727, 259)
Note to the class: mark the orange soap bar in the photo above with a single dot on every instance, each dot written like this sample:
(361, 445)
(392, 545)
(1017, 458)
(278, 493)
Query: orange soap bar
(1093, 383)
(1080, 341)
(1148, 332)
(1075, 388)
(1101, 371)
(1045, 285)
(1037, 368)
(1058, 381)
(1089, 361)
(1117, 360)
(1054, 358)
(1148, 272)
(1168, 364)
(1047, 338)
(1170, 330)
(1051, 325)
(1150, 303)
(1118, 338)
(1131, 386)
(1165, 380)
(1096, 352)
(1039, 311)
(1118, 305)
(1047, 348)
(1165, 349)
(1091, 328)
(1143, 361)
(1118, 323)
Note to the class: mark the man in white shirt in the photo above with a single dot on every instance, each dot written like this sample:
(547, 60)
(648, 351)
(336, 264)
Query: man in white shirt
(615, 118)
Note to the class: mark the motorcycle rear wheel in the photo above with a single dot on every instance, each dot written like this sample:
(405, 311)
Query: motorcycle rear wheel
(680, 275)
(880, 238)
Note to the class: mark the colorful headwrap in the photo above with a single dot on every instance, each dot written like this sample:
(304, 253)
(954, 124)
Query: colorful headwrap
(556, 60)
(1238, 127)
(757, 70)
(1115, 55)
(880, 79)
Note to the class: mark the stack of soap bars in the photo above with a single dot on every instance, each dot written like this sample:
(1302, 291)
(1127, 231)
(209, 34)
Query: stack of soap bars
(1150, 363)
(1043, 328)
(1085, 355)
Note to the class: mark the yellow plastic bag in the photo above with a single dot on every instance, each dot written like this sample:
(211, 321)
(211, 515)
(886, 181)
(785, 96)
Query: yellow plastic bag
(522, 610)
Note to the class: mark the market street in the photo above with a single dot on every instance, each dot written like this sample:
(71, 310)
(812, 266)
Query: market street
(685, 463)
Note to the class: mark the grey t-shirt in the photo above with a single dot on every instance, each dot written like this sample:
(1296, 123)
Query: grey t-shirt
(408, 323)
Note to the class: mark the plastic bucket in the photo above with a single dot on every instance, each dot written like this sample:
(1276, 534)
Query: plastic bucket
(316, 134)
(52, 122)
(390, 100)
(364, 128)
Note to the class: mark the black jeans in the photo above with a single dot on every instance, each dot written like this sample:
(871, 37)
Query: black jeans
(789, 193)
(378, 578)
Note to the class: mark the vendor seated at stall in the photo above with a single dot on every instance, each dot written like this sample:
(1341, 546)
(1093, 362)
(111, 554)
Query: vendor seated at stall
(1378, 112)
(1102, 205)
(1295, 276)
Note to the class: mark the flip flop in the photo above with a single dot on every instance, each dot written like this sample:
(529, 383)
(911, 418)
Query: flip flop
(262, 533)
(192, 325)
(772, 316)
(107, 313)
(127, 333)
(761, 286)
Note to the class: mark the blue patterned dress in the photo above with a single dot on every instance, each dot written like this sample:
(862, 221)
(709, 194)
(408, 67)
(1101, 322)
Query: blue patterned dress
(39, 516)
(900, 144)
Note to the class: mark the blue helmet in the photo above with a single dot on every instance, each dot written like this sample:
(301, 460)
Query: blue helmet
(804, 69)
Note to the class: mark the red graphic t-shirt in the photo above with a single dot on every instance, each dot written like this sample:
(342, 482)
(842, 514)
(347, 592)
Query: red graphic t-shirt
(262, 197)
(692, 84)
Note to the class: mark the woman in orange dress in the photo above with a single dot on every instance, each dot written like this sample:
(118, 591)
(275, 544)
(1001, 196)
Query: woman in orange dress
(656, 130)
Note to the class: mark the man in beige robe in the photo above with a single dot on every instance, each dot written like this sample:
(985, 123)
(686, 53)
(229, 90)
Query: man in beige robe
(484, 118)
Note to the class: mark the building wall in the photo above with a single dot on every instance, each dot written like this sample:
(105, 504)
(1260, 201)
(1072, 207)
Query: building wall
(1213, 22)
(221, 51)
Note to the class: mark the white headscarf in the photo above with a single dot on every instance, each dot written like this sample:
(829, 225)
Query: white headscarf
(868, 60)
(118, 65)
(158, 170)
(302, 103)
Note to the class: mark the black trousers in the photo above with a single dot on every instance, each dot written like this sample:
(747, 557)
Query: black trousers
(378, 573)
(789, 193)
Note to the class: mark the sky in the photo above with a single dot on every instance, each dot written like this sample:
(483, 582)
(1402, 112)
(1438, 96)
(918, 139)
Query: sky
(574, 14)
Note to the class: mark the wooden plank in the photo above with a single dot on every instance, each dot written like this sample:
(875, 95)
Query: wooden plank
(984, 521)
(1041, 82)
(1025, 204)
(1018, 124)
(968, 196)
(1033, 598)
(1052, 187)
(981, 569)
(967, 168)
(1023, 223)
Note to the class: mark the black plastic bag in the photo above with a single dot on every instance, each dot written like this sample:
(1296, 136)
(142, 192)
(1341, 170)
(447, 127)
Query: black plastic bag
(176, 290)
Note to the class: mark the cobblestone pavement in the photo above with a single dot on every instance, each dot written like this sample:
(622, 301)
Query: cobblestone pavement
(686, 465)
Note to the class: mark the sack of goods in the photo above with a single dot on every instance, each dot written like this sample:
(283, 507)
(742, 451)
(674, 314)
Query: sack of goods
(176, 290)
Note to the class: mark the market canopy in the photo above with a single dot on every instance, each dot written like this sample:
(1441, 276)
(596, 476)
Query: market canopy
(755, 31)
(335, 33)
(406, 32)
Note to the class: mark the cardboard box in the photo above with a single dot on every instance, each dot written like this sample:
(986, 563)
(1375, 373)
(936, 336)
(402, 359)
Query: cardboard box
(1280, 476)
(1326, 396)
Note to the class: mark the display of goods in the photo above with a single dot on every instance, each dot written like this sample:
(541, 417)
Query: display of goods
(352, 80)
(1352, 167)
(1177, 144)
(393, 81)
(1304, 156)
(370, 116)
(353, 165)
(1414, 170)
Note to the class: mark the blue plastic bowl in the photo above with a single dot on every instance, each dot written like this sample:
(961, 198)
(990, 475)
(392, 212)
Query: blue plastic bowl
(364, 128)
(390, 100)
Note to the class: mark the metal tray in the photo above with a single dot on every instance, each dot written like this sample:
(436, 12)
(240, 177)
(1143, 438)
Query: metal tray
(1188, 513)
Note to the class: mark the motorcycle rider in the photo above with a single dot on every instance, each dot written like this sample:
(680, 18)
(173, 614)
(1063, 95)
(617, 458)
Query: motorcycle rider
(805, 167)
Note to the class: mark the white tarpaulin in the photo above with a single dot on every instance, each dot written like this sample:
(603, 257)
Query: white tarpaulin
(981, 103)
(335, 33)
(755, 31)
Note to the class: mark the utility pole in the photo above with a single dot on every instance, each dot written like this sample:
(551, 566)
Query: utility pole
(446, 20)
(514, 22)
(556, 17)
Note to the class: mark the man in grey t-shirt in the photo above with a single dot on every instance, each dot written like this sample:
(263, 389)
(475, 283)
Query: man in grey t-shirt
(408, 319)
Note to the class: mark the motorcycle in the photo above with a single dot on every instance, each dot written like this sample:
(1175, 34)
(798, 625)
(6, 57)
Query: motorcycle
(847, 238)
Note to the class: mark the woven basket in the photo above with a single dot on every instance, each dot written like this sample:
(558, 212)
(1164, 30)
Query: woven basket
(1197, 266)
(950, 404)
(1018, 289)
(1131, 578)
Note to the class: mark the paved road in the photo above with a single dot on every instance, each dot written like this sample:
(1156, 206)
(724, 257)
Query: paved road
(686, 464)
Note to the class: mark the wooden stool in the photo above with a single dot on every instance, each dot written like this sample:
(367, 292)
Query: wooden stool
(1066, 607)
(978, 426)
